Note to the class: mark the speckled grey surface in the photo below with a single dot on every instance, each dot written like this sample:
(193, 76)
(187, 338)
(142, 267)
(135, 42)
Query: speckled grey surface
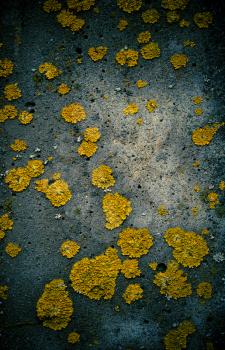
(152, 164)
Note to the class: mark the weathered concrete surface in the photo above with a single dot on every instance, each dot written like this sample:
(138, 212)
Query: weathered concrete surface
(152, 164)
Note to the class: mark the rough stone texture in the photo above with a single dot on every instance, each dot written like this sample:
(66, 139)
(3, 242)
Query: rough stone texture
(152, 164)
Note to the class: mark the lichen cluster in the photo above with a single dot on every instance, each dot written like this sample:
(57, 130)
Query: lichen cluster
(49, 70)
(8, 112)
(129, 5)
(102, 177)
(69, 249)
(18, 145)
(130, 268)
(80, 5)
(131, 109)
(68, 20)
(122, 25)
(135, 242)
(51, 6)
(54, 307)
(63, 89)
(6, 67)
(4, 292)
(73, 113)
(213, 199)
(150, 51)
(204, 290)
(176, 339)
(203, 19)
(6, 224)
(116, 208)
(127, 57)
(25, 117)
(97, 53)
(12, 91)
(73, 338)
(151, 105)
(172, 16)
(96, 278)
(141, 83)
(204, 136)
(13, 249)
(150, 16)
(132, 293)
(88, 146)
(174, 4)
(179, 60)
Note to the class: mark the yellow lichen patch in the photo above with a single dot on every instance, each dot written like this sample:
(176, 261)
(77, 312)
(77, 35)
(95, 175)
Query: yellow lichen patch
(198, 111)
(49, 70)
(68, 20)
(4, 292)
(173, 282)
(97, 53)
(116, 208)
(203, 19)
(127, 57)
(80, 5)
(151, 105)
(5, 223)
(153, 265)
(58, 193)
(2, 234)
(174, 4)
(25, 117)
(150, 51)
(41, 185)
(197, 100)
(129, 5)
(195, 211)
(162, 210)
(135, 242)
(139, 121)
(184, 23)
(92, 134)
(222, 185)
(130, 268)
(150, 16)
(189, 43)
(52, 6)
(12, 249)
(17, 179)
(131, 109)
(73, 338)
(132, 293)
(213, 199)
(96, 278)
(69, 249)
(102, 177)
(204, 290)
(35, 167)
(189, 247)
(122, 25)
(12, 91)
(172, 16)
(204, 136)
(6, 67)
(87, 149)
(179, 60)
(141, 83)
(196, 164)
(63, 89)
(197, 188)
(176, 339)
(73, 113)
(8, 112)
(54, 307)
(18, 145)
(144, 37)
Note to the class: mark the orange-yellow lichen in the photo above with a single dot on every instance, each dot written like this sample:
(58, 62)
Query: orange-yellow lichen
(58, 193)
(203, 19)
(204, 290)
(63, 89)
(73, 113)
(25, 117)
(203, 136)
(68, 20)
(197, 100)
(127, 57)
(122, 25)
(130, 268)
(141, 83)
(174, 4)
(17, 179)
(97, 53)
(6, 67)
(35, 167)
(4, 292)
(54, 307)
(150, 16)
(132, 293)
(18, 145)
(139, 121)
(102, 177)
(8, 112)
(197, 188)
(151, 105)
(49, 70)
(6, 223)
(162, 210)
(189, 248)
(129, 5)
(12, 249)
(189, 43)
(96, 278)
(87, 149)
(213, 199)
(41, 185)
(195, 211)
(131, 109)
(184, 23)
(12, 91)
(196, 164)
(176, 339)
(153, 265)
(172, 16)
(92, 134)
(173, 282)
(144, 37)
(135, 242)
(179, 60)
(80, 5)
(73, 338)
(2, 234)
(222, 185)
(69, 249)
(116, 208)
(52, 6)
(198, 111)
(150, 51)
